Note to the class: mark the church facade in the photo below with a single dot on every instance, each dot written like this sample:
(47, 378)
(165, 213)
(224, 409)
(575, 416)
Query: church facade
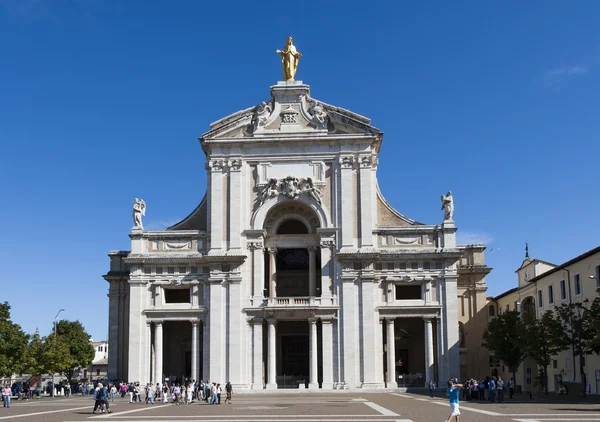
(293, 271)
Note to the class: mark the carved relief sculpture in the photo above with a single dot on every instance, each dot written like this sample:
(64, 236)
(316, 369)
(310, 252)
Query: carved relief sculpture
(309, 188)
(448, 206)
(289, 60)
(290, 187)
(139, 210)
(269, 191)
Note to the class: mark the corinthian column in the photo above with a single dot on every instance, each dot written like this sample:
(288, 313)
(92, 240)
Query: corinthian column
(195, 354)
(313, 376)
(428, 350)
(391, 355)
(272, 273)
(158, 351)
(272, 384)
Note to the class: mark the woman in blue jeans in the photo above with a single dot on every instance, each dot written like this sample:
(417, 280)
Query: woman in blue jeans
(6, 393)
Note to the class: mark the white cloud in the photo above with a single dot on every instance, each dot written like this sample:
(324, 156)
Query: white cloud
(558, 74)
(470, 238)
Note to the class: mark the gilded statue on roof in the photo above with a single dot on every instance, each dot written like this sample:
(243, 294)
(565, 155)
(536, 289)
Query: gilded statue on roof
(289, 59)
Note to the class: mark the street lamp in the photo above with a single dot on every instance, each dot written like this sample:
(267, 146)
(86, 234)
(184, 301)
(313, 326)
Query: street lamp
(55, 318)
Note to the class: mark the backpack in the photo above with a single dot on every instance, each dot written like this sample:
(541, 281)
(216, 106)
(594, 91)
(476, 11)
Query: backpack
(101, 394)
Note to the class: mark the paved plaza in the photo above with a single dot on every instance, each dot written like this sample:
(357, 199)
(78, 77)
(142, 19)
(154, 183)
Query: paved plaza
(307, 407)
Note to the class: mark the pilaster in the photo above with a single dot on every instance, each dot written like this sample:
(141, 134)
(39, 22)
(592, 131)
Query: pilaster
(391, 353)
(215, 167)
(346, 196)
(158, 352)
(349, 334)
(328, 352)
(234, 194)
(367, 198)
(257, 355)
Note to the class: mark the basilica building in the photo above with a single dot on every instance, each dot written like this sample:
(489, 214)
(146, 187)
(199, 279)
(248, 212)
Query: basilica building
(293, 271)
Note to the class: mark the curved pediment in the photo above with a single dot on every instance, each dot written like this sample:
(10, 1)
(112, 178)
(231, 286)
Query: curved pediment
(290, 111)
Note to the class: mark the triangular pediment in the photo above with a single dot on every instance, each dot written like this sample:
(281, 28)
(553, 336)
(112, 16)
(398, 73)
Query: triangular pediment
(290, 111)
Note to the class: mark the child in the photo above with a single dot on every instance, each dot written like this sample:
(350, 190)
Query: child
(452, 393)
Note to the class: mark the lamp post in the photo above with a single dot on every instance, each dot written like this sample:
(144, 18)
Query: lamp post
(55, 318)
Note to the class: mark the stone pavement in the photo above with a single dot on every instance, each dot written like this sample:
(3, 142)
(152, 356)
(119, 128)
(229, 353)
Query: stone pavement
(305, 407)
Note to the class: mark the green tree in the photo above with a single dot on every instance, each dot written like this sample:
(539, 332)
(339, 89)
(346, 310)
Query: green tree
(504, 336)
(594, 316)
(542, 341)
(13, 343)
(577, 333)
(34, 359)
(79, 352)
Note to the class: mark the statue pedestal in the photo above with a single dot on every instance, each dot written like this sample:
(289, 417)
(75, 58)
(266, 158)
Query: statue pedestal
(449, 234)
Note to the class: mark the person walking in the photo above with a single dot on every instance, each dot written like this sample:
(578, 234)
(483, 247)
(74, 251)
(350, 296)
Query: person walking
(452, 393)
(511, 388)
(6, 393)
(431, 387)
(113, 392)
(229, 391)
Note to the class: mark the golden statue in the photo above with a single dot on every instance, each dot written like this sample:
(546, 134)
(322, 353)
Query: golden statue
(289, 60)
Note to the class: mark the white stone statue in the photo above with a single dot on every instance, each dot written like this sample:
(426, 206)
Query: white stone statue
(261, 115)
(319, 116)
(448, 206)
(139, 210)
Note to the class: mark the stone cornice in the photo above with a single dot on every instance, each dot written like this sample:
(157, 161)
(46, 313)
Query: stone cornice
(430, 253)
(194, 257)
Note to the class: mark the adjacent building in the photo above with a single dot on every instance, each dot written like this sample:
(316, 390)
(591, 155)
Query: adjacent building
(542, 286)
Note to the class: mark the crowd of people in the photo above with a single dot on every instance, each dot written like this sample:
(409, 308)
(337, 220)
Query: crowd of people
(174, 393)
(492, 389)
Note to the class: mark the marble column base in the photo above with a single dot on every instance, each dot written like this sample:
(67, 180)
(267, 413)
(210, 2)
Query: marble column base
(391, 384)
(257, 386)
(313, 385)
(271, 386)
(372, 385)
(327, 386)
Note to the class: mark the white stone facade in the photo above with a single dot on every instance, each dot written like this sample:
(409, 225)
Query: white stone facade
(293, 271)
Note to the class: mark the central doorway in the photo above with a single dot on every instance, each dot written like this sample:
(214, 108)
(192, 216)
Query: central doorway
(293, 354)
(177, 346)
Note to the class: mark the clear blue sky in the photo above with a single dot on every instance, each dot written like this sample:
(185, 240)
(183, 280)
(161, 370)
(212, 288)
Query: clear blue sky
(102, 101)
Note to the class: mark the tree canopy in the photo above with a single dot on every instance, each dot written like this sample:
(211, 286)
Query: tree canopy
(504, 336)
(13, 343)
(76, 343)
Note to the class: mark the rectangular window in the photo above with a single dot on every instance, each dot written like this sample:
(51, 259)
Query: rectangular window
(194, 270)
(540, 302)
(378, 266)
(554, 364)
(390, 266)
(171, 270)
(563, 290)
(439, 265)
(516, 306)
(402, 265)
(598, 276)
(408, 292)
(507, 307)
(462, 305)
(97, 372)
(147, 270)
(414, 265)
(426, 265)
(182, 270)
(577, 284)
(158, 270)
(550, 294)
(177, 295)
